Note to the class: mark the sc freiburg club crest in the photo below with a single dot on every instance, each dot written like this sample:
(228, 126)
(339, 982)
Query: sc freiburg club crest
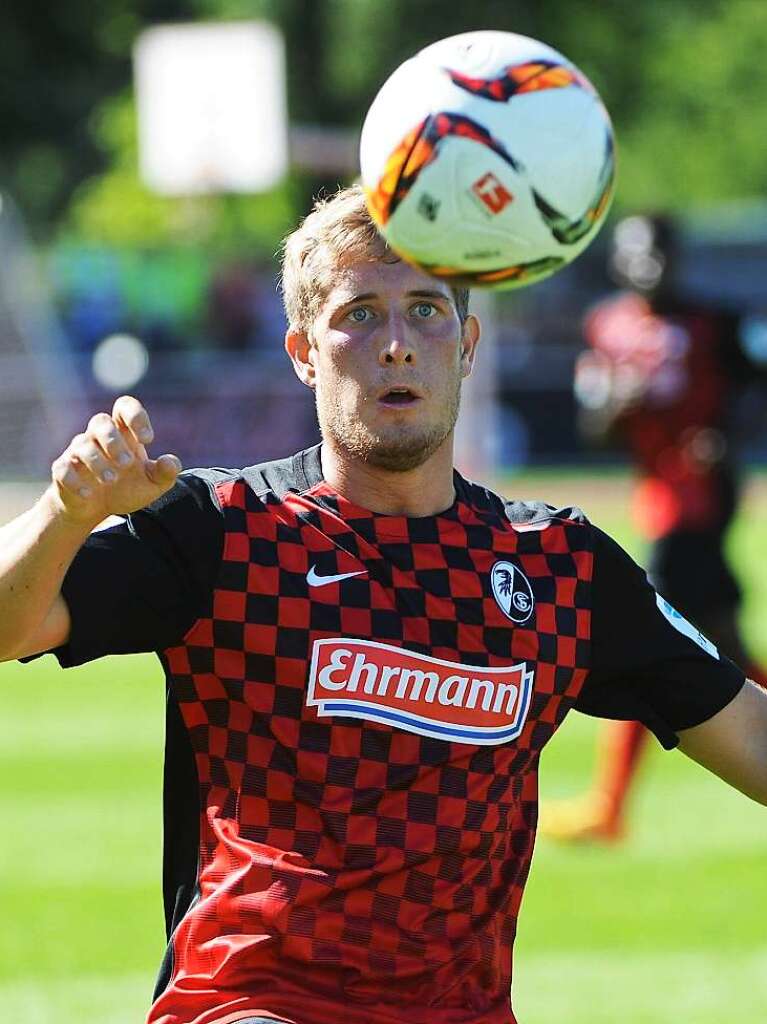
(512, 592)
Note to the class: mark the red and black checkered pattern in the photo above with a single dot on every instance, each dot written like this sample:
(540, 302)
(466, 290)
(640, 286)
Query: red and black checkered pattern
(349, 870)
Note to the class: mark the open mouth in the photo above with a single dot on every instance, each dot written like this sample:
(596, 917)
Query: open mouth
(399, 397)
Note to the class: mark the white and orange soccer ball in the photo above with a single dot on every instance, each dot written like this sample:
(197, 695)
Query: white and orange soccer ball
(488, 159)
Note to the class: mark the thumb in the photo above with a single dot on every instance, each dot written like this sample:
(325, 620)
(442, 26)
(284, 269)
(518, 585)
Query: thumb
(163, 471)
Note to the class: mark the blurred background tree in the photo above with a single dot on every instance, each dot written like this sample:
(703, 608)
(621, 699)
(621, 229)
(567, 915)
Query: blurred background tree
(59, 63)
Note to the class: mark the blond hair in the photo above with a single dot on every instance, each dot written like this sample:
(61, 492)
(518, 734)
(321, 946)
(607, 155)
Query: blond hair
(339, 231)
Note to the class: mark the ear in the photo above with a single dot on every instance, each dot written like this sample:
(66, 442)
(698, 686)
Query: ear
(301, 353)
(469, 341)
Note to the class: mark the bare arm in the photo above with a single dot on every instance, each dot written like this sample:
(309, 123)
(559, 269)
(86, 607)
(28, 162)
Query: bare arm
(104, 471)
(733, 744)
(36, 550)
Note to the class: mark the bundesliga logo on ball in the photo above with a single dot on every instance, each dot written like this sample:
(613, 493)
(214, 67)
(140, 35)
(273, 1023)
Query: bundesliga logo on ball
(488, 160)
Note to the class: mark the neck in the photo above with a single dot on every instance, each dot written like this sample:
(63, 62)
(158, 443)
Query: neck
(426, 490)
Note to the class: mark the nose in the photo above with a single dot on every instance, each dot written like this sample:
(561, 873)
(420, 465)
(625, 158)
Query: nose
(396, 348)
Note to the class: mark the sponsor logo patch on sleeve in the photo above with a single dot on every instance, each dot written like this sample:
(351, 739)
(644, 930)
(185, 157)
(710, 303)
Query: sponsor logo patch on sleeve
(442, 699)
(680, 623)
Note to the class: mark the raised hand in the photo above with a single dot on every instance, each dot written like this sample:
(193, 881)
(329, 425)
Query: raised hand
(106, 470)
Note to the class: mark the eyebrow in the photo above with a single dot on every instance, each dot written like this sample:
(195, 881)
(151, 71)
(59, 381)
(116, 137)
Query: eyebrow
(419, 293)
(425, 293)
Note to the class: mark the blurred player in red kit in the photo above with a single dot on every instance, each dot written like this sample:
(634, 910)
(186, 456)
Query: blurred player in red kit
(661, 377)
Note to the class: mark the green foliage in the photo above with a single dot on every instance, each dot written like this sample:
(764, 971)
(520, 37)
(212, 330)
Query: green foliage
(60, 61)
(695, 138)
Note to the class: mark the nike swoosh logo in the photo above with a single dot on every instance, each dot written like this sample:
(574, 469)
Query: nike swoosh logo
(322, 581)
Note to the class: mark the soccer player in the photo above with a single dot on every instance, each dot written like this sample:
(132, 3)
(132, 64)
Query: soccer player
(662, 376)
(365, 656)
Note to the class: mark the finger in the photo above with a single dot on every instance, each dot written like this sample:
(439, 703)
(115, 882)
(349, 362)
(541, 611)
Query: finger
(131, 416)
(163, 471)
(70, 475)
(103, 429)
(93, 459)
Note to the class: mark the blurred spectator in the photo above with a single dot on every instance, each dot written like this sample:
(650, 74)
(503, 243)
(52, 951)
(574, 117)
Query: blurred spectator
(234, 307)
(92, 304)
(663, 376)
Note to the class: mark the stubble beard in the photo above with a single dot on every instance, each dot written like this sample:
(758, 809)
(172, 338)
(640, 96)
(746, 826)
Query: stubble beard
(393, 451)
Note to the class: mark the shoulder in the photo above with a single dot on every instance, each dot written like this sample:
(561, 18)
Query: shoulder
(201, 485)
(538, 515)
(277, 477)
(523, 515)
(518, 512)
(188, 520)
(193, 499)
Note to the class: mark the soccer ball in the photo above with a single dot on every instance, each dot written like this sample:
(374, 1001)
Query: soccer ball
(487, 160)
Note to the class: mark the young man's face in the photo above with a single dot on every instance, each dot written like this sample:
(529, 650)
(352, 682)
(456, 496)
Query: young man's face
(386, 358)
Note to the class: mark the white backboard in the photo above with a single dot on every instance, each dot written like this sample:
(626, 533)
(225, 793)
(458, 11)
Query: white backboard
(212, 107)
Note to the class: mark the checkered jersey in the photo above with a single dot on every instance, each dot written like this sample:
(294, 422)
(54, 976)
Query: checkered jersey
(349, 869)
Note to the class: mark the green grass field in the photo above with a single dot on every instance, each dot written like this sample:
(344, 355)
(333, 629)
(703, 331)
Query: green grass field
(671, 927)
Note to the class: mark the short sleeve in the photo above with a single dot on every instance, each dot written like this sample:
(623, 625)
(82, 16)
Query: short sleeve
(141, 585)
(648, 662)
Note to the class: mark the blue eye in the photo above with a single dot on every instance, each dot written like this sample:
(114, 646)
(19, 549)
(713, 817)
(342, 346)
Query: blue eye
(359, 315)
(425, 309)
